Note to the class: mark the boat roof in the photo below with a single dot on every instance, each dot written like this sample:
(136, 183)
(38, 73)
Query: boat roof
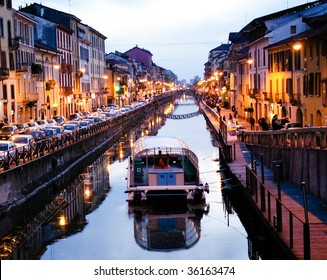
(156, 143)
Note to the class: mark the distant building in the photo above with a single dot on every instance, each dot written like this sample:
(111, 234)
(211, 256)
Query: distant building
(141, 56)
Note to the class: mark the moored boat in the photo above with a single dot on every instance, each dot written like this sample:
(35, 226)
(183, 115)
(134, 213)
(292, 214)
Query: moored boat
(163, 167)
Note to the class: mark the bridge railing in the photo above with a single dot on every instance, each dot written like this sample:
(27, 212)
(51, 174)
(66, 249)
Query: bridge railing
(310, 137)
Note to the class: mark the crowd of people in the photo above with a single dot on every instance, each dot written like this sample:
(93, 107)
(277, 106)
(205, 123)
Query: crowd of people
(275, 124)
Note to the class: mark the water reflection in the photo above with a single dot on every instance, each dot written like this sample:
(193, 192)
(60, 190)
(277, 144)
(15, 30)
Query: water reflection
(64, 215)
(167, 226)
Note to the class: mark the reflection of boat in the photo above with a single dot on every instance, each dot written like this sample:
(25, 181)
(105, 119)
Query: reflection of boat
(167, 230)
(163, 166)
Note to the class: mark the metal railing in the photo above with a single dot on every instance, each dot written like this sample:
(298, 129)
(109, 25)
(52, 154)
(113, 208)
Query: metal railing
(294, 230)
(21, 155)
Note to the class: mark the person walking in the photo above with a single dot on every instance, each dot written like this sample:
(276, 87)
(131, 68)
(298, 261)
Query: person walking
(264, 124)
(276, 123)
(252, 121)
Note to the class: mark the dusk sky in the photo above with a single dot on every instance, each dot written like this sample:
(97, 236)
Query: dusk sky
(179, 33)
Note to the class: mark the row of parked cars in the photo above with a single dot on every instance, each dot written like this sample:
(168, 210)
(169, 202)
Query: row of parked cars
(17, 137)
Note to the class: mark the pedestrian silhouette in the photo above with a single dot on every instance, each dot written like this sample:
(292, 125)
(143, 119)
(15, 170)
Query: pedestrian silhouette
(252, 121)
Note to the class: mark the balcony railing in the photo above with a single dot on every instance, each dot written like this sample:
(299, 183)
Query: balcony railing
(296, 99)
(66, 68)
(31, 97)
(21, 67)
(4, 73)
(66, 91)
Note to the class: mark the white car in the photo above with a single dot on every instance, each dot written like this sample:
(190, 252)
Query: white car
(23, 141)
(70, 127)
(33, 126)
(42, 124)
(60, 130)
(7, 151)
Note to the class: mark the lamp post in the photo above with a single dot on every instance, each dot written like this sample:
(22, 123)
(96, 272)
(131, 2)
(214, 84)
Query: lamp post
(255, 89)
(294, 48)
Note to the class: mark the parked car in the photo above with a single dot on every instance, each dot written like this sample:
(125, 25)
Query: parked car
(60, 120)
(76, 117)
(50, 133)
(69, 128)
(59, 129)
(85, 123)
(38, 135)
(7, 131)
(74, 122)
(23, 141)
(7, 152)
(291, 125)
(51, 122)
(42, 123)
(33, 126)
(86, 114)
(95, 119)
(23, 128)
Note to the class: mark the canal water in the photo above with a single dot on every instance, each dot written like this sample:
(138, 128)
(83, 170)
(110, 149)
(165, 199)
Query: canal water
(115, 231)
(91, 220)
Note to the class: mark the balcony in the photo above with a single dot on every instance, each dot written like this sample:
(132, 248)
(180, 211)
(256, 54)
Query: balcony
(31, 97)
(4, 73)
(14, 42)
(36, 69)
(296, 99)
(66, 68)
(254, 93)
(21, 67)
(65, 91)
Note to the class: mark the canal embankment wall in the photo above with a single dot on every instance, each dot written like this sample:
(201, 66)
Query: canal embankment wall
(297, 165)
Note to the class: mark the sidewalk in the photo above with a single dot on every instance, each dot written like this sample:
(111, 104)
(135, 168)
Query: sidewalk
(291, 195)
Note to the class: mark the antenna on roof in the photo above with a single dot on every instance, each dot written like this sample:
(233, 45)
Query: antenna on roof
(69, 7)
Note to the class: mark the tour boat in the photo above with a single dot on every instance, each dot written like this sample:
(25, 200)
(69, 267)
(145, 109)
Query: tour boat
(163, 167)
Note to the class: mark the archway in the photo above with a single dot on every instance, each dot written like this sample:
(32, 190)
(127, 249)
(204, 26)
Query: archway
(299, 116)
(318, 121)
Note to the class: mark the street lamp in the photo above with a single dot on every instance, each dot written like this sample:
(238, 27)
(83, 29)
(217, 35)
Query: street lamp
(250, 61)
(294, 49)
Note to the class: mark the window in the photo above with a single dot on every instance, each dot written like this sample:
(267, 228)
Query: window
(305, 86)
(317, 54)
(84, 52)
(293, 29)
(288, 60)
(317, 84)
(1, 27)
(310, 83)
(11, 61)
(289, 86)
(4, 91)
(9, 4)
(12, 92)
(3, 60)
(324, 93)
(297, 60)
(324, 48)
